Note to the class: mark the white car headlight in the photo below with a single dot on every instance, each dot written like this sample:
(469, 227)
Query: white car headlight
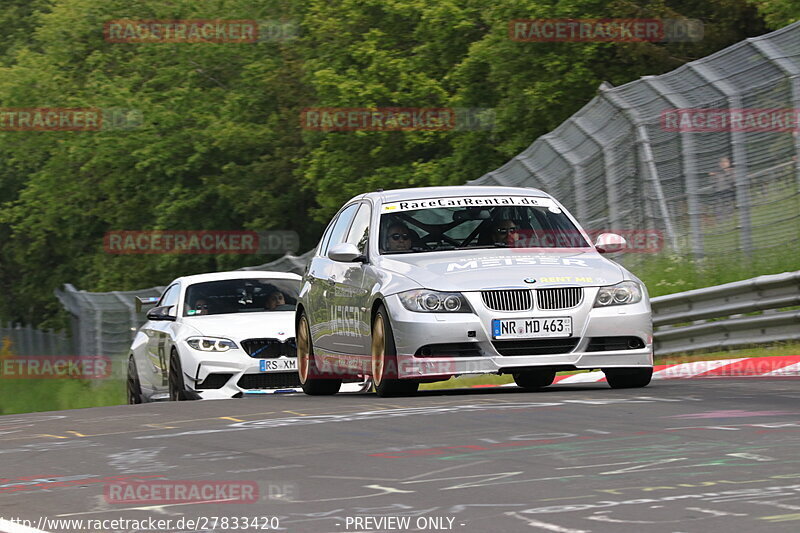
(627, 292)
(425, 301)
(211, 344)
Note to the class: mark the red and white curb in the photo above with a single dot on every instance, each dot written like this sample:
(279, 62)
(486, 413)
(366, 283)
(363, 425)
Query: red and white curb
(759, 367)
(784, 366)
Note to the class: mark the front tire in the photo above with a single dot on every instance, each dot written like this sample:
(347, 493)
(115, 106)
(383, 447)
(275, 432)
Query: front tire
(628, 378)
(384, 360)
(133, 385)
(177, 387)
(534, 379)
(311, 379)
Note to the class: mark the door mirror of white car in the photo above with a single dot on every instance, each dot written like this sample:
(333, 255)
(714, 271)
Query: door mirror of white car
(160, 313)
(345, 252)
(610, 242)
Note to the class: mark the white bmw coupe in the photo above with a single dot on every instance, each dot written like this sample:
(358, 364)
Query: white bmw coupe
(214, 336)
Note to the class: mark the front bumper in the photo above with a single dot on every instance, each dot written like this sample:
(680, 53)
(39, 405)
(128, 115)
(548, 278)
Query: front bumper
(414, 331)
(204, 374)
(245, 376)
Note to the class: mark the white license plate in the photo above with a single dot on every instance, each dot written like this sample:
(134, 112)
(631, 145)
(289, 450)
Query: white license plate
(277, 365)
(531, 328)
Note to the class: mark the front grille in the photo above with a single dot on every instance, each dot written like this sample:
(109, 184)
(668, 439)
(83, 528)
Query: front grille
(536, 347)
(507, 300)
(556, 299)
(269, 348)
(453, 349)
(274, 380)
(603, 344)
(214, 381)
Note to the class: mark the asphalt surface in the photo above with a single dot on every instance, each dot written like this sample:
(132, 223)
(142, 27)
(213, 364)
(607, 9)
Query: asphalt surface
(713, 455)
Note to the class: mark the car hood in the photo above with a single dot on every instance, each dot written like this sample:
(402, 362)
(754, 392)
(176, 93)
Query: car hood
(473, 270)
(240, 326)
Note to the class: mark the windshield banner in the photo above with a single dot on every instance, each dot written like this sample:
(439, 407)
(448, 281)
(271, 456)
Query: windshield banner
(470, 201)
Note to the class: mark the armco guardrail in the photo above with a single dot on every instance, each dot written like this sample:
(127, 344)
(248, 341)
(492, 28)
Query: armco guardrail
(716, 314)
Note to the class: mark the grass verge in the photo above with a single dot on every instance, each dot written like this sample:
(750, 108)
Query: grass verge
(34, 395)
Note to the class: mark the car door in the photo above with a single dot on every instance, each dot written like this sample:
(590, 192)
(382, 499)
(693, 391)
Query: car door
(352, 329)
(158, 337)
(323, 311)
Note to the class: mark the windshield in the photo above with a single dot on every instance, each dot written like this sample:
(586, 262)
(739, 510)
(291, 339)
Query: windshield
(248, 295)
(476, 222)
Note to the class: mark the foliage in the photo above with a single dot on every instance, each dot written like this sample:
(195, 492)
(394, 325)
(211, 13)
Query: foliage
(221, 145)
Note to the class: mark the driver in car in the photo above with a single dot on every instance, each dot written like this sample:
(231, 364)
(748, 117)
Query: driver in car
(200, 307)
(274, 300)
(505, 233)
(398, 238)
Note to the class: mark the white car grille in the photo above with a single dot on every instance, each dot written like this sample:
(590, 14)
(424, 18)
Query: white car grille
(508, 300)
(556, 299)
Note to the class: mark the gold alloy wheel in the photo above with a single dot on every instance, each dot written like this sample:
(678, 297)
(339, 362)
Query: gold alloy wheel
(303, 351)
(378, 349)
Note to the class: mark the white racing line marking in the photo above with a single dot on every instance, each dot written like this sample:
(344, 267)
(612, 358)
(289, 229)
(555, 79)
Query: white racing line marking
(544, 525)
(714, 512)
(13, 527)
(157, 508)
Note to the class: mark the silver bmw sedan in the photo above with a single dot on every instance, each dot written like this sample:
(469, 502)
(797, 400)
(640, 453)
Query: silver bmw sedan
(418, 285)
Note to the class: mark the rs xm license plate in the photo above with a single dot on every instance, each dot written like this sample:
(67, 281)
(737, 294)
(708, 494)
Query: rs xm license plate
(531, 328)
(277, 365)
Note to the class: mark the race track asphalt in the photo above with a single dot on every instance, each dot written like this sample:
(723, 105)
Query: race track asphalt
(680, 456)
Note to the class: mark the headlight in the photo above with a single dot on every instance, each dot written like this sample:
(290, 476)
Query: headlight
(627, 292)
(425, 301)
(211, 344)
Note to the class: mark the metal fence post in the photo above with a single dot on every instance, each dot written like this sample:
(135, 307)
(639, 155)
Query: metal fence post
(644, 157)
(581, 208)
(688, 167)
(738, 147)
(792, 70)
(609, 173)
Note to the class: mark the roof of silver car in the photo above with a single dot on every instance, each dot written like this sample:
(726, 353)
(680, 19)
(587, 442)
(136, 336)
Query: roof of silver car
(398, 195)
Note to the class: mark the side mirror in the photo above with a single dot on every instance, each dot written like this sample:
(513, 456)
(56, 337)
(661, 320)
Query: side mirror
(345, 252)
(161, 313)
(610, 242)
(141, 302)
